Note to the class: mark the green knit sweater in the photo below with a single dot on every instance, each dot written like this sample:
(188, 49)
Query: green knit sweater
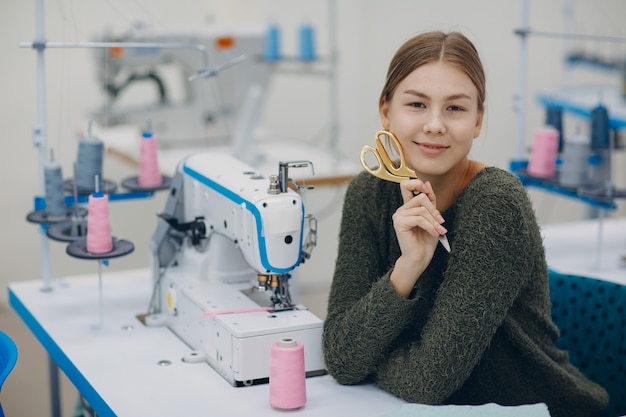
(477, 327)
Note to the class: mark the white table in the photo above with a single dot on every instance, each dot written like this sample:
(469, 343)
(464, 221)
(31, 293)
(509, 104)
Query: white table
(116, 366)
(591, 248)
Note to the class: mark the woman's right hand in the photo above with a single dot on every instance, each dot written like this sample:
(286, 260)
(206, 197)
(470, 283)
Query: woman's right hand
(417, 224)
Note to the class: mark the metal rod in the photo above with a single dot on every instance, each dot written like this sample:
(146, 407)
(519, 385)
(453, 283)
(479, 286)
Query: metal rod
(55, 391)
(599, 245)
(100, 301)
(520, 96)
(40, 141)
(40, 45)
(569, 35)
(334, 87)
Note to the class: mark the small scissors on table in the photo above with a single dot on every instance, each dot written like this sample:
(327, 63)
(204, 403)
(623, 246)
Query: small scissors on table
(390, 164)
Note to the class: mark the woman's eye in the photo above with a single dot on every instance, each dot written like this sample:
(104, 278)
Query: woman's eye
(455, 108)
(417, 105)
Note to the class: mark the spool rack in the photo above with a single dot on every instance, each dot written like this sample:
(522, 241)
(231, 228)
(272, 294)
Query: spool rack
(570, 103)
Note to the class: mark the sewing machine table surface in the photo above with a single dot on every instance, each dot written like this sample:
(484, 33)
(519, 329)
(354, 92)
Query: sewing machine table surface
(124, 368)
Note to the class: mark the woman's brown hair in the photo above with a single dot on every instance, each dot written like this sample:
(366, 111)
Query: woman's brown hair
(453, 48)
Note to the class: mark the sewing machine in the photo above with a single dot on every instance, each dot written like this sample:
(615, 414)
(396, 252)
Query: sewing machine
(223, 253)
(205, 110)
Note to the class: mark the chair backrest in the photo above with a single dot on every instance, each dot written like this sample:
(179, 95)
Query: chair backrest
(8, 356)
(591, 316)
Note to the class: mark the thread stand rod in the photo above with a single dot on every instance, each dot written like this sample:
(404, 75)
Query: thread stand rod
(100, 298)
(41, 44)
(572, 36)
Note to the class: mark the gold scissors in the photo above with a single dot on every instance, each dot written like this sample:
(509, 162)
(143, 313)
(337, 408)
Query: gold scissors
(389, 164)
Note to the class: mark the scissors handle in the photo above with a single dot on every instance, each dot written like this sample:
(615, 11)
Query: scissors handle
(380, 170)
(399, 167)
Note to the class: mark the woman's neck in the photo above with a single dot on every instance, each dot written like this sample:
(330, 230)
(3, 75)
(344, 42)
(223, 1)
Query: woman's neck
(449, 186)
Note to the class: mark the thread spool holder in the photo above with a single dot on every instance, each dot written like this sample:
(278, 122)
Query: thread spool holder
(553, 185)
(105, 184)
(78, 249)
(40, 216)
(132, 184)
(601, 196)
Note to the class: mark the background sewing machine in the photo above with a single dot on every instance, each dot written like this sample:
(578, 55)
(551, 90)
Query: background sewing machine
(223, 253)
(207, 110)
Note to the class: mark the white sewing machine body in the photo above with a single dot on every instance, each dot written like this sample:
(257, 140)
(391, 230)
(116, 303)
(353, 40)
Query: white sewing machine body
(223, 288)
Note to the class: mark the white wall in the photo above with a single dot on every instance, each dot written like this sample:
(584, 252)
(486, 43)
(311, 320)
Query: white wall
(368, 33)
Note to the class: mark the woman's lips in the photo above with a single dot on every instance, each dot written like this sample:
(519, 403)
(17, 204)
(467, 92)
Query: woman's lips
(431, 148)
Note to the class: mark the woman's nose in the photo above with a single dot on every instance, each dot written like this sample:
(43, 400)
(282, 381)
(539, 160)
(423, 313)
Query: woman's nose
(434, 124)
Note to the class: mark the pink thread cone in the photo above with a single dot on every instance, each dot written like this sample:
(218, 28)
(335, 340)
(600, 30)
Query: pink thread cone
(287, 375)
(99, 239)
(544, 153)
(149, 173)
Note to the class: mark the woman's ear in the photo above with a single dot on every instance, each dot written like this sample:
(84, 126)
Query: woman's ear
(479, 124)
(383, 110)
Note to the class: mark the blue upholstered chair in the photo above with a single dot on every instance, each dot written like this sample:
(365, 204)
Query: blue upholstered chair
(591, 316)
(8, 358)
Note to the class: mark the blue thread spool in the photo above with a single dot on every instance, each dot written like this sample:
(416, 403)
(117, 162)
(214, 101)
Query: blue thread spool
(272, 44)
(600, 129)
(554, 118)
(307, 43)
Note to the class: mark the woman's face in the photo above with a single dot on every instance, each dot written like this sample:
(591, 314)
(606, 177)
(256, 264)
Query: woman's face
(434, 113)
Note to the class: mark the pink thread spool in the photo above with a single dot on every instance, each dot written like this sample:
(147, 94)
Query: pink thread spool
(544, 153)
(287, 375)
(149, 173)
(99, 239)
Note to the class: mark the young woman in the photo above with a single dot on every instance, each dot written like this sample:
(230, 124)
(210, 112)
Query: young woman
(471, 326)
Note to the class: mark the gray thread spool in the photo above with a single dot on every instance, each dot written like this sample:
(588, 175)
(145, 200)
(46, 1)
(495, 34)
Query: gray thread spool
(574, 171)
(55, 195)
(88, 162)
(600, 172)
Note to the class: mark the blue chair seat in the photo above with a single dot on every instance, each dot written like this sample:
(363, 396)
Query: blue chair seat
(591, 317)
(8, 359)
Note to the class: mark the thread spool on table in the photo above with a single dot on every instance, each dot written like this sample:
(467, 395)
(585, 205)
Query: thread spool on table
(287, 374)
(99, 244)
(88, 167)
(149, 174)
(73, 228)
(554, 118)
(54, 209)
(307, 42)
(272, 44)
(99, 238)
(575, 166)
(55, 194)
(149, 178)
(543, 156)
(600, 128)
(88, 162)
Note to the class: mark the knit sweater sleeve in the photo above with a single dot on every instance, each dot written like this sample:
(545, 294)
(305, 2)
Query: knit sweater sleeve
(362, 306)
(496, 246)
(425, 348)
